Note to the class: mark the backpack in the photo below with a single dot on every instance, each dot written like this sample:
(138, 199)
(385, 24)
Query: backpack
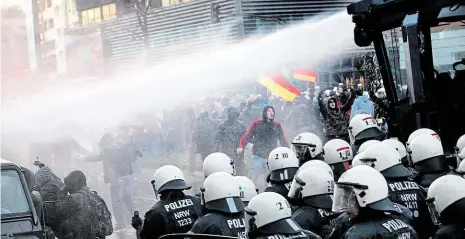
(101, 216)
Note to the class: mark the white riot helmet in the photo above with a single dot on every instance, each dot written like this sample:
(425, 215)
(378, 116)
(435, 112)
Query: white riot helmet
(338, 154)
(307, 146)
(317, 164)
(168, 177)
(444, 192)
(315, 186)
(461, 167)
(459, 147)
(217, 162)
(269, 213)
(427, 154)
(247, 188)
(420, 132)
(400, 147)
(363, 127)
(283, 164)
(362, 186)
(356, 161)
(386, 160)
(366, 145)
(220, 192)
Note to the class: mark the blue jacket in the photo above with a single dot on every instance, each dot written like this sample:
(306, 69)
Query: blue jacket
(362, 105)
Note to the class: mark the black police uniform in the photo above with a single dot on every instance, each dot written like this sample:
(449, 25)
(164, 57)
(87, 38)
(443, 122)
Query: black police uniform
(450, 232)
(430, 170)
(220, 223)
(380, 227)
(282, 229)
(315, 215)
(342, 223)
(171, 216)
(225, 217)
(281, 181)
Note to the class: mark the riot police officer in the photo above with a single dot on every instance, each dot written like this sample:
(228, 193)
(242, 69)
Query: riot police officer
(402, 150)
(461, 168)
(402, 189)
(317, 164)
(268, 215)
(367, 144)
(446, 200)
(283, 165)
(362, 192)
(363, 127)
(221, 199)
(175, 212)
(247, 188)
(428, 159)
(314, 186)
(307, 146)
(217, 162)
(338, 154)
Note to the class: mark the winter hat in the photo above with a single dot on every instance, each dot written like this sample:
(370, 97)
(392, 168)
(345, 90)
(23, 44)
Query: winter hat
(75, 181)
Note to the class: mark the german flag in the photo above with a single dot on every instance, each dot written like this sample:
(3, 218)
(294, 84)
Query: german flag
(278, 84)
(305, 75)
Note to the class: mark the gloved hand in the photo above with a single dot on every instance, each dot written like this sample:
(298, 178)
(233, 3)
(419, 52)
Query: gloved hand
(39, 164)
(136, 221)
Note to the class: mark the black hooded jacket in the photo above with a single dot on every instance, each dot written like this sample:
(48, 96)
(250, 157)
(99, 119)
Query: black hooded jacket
(229, 134)
(264, 135)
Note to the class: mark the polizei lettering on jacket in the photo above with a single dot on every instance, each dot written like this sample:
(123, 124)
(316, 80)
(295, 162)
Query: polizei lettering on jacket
(324, 213)
(402, 186)
(394, 225)
(236, 223)
(281, 236)
(178, 204)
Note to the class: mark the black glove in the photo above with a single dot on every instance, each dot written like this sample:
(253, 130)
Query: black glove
(136, 221)
(39, 164)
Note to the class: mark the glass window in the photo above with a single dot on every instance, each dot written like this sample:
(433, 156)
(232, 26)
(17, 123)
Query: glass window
(395, 53)
(49, 3)
(57, 11)
(447, 43)
(112, 10)
(97, 14)
(165, 3)
(174, 2)
(106, 12)
(84, 18)
(13, 195)
(90, 15)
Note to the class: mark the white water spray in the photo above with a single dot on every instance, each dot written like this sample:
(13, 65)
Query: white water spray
(109, 102)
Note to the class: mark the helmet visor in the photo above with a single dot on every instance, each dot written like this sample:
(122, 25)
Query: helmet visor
(296, 188)
(344, 198)
(300, 150)
(430, 202)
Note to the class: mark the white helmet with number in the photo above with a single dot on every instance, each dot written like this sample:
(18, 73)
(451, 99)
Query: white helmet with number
(368, 144)
(307, 146)
(420, 132)
(365, 186)
(220, 192)
(218, 162)
(168, 177)
(427, 154)
(337, 151)
(247, 188)
(400, 147)
(363, 127)
(317, 164)
(283, 164)
(269, 213)
(443, 192)
(386, 160)
(315, 185)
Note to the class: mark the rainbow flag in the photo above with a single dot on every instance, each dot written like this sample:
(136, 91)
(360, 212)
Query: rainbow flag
(279, 85)
(305, 75)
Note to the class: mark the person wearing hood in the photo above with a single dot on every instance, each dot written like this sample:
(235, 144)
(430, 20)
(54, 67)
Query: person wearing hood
(228, 136)
(334, 117)
(362, 105)
(264, 135)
